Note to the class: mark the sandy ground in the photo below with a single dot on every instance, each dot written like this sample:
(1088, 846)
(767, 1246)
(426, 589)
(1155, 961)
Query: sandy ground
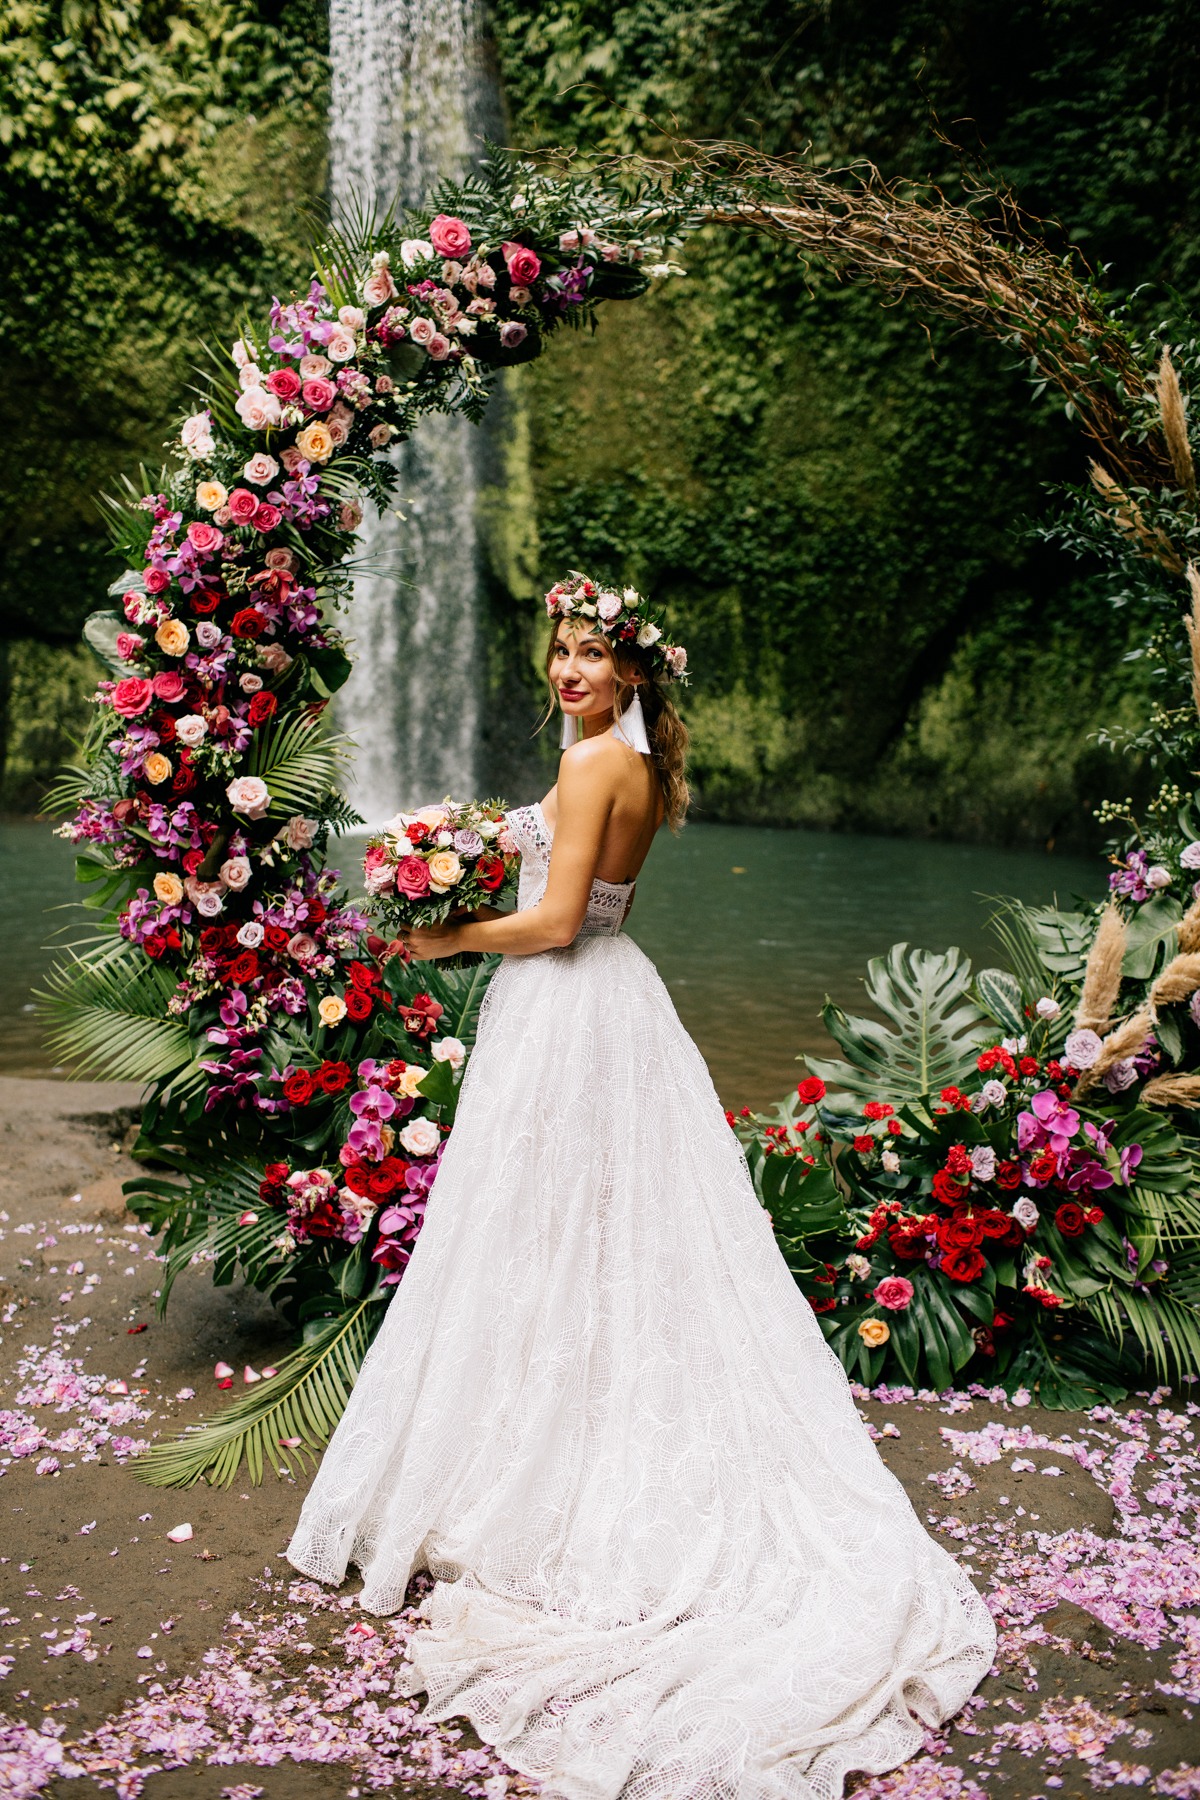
(122, 1652)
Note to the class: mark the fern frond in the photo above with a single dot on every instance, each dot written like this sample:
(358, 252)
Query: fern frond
(304, 1400)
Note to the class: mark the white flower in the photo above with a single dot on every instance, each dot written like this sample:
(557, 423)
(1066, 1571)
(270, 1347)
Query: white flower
(250, 375)
(249, 795)
(1082, 1049)
(858, 1267)
(1189, 856)
(1026, 1213)
(420, 1137)
(891, 1162)
(191, 729)
(649, 634)
(1047, 1008)
(257, 408)
(983, 1162)
(241, 353)
(196, 436)
(608, 606)
(450, 1050)
(1015, 1046)
(208, 635)
(1158, 877)
(251, 935)
(415, 250)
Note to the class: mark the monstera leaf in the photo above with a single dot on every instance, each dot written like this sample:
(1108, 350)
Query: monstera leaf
(934, 1033)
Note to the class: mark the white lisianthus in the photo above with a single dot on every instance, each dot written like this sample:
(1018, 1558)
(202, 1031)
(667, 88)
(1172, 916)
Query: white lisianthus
(858, 1267)
(449, 1050)
(420, 1137)
(891, 1162)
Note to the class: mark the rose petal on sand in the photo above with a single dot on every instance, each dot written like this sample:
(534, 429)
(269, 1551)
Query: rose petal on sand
(179, 1534)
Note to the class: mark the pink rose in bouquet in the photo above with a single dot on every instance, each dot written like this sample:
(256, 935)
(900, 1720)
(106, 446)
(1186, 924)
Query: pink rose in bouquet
(282, 559)
(258, 409)
(169, 686)
(377, 870)
(512, 333)
(449, 236)
(248, 795)
(197, 437)
(313, 365)
(342, 343)
(319, 394)
(267, 517)
(379, 288)
(132, 696)
(412, 877)
(284, 384)
(894, 1292)
(260, 469)
(524, 266)
(242, 506)
(156, 580)
(128, 645)
(204, 537)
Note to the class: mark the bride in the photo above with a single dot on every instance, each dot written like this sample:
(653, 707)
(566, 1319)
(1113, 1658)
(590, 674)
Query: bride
(669, 1563)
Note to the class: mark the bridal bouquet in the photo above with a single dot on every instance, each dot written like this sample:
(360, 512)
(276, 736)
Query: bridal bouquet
(441, 861)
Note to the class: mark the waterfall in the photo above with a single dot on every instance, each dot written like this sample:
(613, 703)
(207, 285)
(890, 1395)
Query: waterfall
(412, 102)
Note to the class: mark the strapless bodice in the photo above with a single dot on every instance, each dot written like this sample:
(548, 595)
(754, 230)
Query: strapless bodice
(608, 901)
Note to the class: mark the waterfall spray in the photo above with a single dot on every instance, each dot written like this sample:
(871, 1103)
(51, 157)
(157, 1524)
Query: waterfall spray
(412, 103)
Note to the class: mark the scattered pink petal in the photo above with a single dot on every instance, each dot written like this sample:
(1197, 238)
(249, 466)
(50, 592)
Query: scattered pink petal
(179, 1534)
(249, 1374)
(222, 1371)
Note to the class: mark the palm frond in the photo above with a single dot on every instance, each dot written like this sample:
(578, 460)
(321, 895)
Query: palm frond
(304, 1400)
(1166, 1330)
(935, 1033)
(109, 1018)
(300, 761)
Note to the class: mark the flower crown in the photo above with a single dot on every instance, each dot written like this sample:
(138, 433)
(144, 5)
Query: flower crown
(624, 617)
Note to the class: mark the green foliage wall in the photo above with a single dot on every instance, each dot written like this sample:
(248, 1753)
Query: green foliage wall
(833, 498)
(158, 159)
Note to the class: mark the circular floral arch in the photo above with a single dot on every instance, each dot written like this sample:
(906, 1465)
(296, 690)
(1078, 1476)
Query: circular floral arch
(230, 973)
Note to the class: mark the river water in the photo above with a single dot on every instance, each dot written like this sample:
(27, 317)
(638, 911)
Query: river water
(750, 927)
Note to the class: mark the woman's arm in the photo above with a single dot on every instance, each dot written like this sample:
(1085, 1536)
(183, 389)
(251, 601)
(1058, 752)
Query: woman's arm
(587, 780)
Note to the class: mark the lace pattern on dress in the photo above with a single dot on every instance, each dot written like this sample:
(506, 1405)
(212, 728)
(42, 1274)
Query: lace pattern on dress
(608, 901)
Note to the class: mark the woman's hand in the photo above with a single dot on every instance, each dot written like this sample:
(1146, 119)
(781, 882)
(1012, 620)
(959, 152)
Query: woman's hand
(425, 943)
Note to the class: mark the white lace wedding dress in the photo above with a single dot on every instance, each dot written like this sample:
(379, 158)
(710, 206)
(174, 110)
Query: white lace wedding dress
(670, 1563)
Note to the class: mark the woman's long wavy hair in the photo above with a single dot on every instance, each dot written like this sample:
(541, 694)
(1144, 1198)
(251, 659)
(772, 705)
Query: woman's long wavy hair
(665, 729)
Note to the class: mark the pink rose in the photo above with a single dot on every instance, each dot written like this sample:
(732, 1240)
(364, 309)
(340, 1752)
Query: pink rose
(449, 236)
(377, 870)
(379, 288)
(342, 343)
(512, 333)
(258, 409)
(895, 1293)
(168, 686)
(128, 645)
(349, 517)
(267, 517)
(312, 365)
(281, 559)
(380, 435)
(524, 266)
(302, 946)
(156, 580)
(412, 878)
(319, 394)
(292, 459)
(421, 330)
(242, 506)
(438, 348)
(235, 873)
(132, 696)
(204, 537)
(248, 795)
(222, 517)
(284, 383)
(196, 435)
(385, 385)
(568, 240)
(275, 658)
(485, 275)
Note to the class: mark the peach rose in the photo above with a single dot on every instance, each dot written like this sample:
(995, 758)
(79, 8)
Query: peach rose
(379, 288)
(210, 495)
(172, 637)
(353, 318)
(168, 889)
(249, 795)
(298, 833)
(341, 344)
(275, 658)
(873, 1332)
(157, 768)
(410, 1081)
(315, 443)
(332, 1010)
(445, 871)
(380, 436)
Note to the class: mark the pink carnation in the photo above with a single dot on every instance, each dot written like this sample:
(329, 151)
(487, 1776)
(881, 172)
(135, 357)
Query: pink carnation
(412, 878)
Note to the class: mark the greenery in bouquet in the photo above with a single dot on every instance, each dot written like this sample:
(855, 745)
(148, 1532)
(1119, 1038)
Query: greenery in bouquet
(438, 861)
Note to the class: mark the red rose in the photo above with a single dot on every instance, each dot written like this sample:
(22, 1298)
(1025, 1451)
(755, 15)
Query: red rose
(243, 968)
(489, 872)
(1044, 1166)
(1094, 1215)
(963, 1265)
(270, 1188)
(810, 1090)
(212, 939)
(358, 1005)
(184, 779)
(249, 623)
(164, 724)
(907, 1240)
(154, 945)
(324, 1221)
(366, 980)
(267, 517)
(333, 1077)
(1008, 1175)
(995, 1223)
(877, 1109)
(262, 708)
(299, 1087)
(317, 913)
(387, 1177)
(358, 1178)
(1070, 1219)
(242, 506)
(132, 696)
(946, 1190)
(962, 1231)
(204, 601)
(275, 937)
(284, 384)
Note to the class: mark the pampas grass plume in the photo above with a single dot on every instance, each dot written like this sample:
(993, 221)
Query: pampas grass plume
(1173, 413)
(1189, 928)
(1102, 980)
(1178, 981)
(1172, 1090)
